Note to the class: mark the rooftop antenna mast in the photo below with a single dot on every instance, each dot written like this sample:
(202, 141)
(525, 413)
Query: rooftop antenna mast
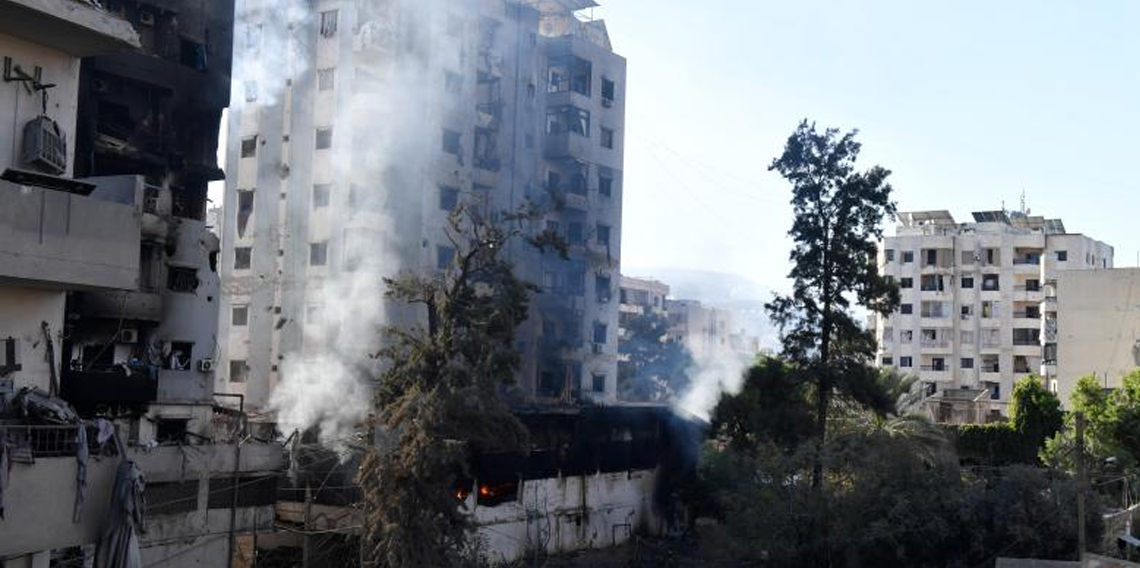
(1024, 210)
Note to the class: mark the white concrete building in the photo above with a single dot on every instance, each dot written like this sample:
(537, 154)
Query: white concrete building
(385, 115)
(1097, 328)
(640, 296)
(978, 308)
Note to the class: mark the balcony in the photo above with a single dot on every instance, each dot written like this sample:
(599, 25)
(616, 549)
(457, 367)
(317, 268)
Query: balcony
(566, 144)
(109, 386)
(58, 239)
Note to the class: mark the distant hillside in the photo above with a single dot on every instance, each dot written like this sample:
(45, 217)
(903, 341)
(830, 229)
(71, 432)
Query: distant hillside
(744, 297)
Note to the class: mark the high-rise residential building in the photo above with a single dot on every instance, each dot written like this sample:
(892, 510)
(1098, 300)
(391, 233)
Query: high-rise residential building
(978, 305)
(378, 119)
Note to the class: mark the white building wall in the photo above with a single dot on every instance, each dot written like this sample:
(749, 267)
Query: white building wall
(1098, 327)
(23, 310)
(20, 106)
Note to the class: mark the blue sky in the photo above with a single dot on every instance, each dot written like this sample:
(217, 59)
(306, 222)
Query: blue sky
(967, 102)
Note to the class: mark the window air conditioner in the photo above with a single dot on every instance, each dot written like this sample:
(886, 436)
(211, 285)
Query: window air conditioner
(45, 145)
(206, 365)
(129, 336)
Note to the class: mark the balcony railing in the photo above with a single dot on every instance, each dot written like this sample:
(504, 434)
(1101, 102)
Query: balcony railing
(934, 368)
(50, 441)
(1036, 261)
(1027, 342)
(1027, 288)
(1027, 315)
(993, 368)
(935, 343)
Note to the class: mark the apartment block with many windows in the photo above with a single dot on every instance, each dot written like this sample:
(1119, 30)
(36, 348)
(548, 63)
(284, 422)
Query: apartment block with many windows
(978, 304)
(387, 115)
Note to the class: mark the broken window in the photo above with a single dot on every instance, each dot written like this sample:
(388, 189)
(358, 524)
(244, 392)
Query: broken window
(242, 258)
(328, 23)
(324, 138)
(568, 119)
(444, 256)
(193, 54)
(608, 91)
(249, 146)
(321, 193)
(181, 279)
(607, 138)
(605, 185)
(452, 82)
(245, 209)
(318, 253)
(451, 142)
(570, 74)
(603, 235)
(599, 383)
(602, 288)
(326, 79)
(448, 198)
(179, 356)
(239, 371)
(239, 316)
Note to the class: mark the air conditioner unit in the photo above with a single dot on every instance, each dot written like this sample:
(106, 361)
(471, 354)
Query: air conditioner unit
(45, 145)
(146, 17)
(129, 336)
(206, 365)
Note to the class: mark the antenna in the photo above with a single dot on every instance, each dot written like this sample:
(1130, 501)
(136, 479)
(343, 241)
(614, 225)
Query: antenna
(1024, 211)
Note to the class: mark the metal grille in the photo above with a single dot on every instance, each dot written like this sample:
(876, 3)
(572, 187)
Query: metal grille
(50, 441)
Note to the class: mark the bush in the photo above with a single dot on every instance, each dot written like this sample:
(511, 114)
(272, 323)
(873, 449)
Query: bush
(993, 444)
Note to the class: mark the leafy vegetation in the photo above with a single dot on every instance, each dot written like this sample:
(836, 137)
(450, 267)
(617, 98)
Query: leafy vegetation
(653, 366)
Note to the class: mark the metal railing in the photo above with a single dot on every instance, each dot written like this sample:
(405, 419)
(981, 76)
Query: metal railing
(1024, 261)
(934, 368)
(50, 441)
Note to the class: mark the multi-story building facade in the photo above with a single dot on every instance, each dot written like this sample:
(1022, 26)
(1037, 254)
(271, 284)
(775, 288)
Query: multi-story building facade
(387, 116)
(978, 308)
(110, 289)
(640, 296)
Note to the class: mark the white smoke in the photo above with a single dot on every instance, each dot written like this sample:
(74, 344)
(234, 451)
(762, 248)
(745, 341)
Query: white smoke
(714, 372)
(385, 136)
(269, 51)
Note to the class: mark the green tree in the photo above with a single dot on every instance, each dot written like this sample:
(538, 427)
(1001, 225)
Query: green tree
(439, 400)
(654, 367)
(838, 214)
(1035, 412)
(772, 408)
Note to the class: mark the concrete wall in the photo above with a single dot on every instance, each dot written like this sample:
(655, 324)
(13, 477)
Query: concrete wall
(570, 513)
(38, 505)
(23, 310)
(20, 106)
(1098, 327)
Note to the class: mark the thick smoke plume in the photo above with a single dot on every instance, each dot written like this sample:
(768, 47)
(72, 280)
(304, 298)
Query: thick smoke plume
(386, 122)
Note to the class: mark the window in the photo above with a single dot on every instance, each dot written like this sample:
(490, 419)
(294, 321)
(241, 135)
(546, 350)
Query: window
(444, 257)
(319, 253)
(906, 336)
(326, 79)
(324, 138)
(599, 383)
(11, 364)
(321, 195)
(452, 82)
(603, 235)
(992, 256)
(574, 233)
(968, 257)
(990, 282)
(531, 91)
(602, 288)
(568, 119)
(931, 257)
(179, 355)
(906, 283)
(239, 370)
(967, 282)
(906, 361)
(451, 142)
(242, 258)
(249, 146)
(448, 198)
(607, 138)
(193, 54)
(245, 210)
(328, 23)
(890, 254)
(608, 91)
(907, 256)
(1033, 285)
(967, 363)
(181, 279)
(570, 74)
(239, 316)
(990, 309)
(967, 312)
(600, 331)
(887, 361)
(171, 430)
(605, 186)
(906, 308)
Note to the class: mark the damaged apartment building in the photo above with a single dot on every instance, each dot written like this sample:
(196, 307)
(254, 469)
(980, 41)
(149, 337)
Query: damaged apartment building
(347, 159)
(109, 288)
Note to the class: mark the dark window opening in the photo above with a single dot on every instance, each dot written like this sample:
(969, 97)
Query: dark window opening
(328, 23)
(324, 138)
(602, 288)
(171, 430)
(251, 492)
(181, 279)
(451, 142)
(599, 383)
(605, 186)
(444, 256)
(448, 198)
(1062, 255)
(171, 497)
(239, 316)
(181, 353)
(239, 371)
(568, 119)
(193, 55)
(321, 193)
(906, 308)
(318, 253)
(10, 364)
(245, 210)
(600, 332)
(967, 282)
(603, 235)
(242, 258)
(249, 147)
(608, 91)
(608, 138)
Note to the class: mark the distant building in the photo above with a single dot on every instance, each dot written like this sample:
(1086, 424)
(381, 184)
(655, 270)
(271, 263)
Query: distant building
(708, 331)
(638, 297)
(1097, 328)
(978, 306)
